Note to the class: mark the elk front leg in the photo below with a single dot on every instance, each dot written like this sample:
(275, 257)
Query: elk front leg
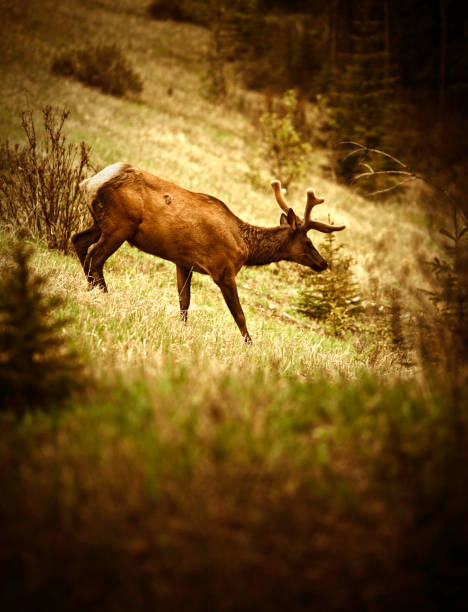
(229, 290)
(184, 279)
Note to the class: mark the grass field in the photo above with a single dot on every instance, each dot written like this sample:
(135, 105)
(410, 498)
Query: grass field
(194, 472)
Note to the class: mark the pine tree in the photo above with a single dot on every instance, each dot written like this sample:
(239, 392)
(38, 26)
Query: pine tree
(333, 295)
(450, 293)
(362, 97)
(233, 27)
(37, 369)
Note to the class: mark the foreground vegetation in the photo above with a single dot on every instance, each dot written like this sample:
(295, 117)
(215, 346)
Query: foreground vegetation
(272, 493)
(324, 466)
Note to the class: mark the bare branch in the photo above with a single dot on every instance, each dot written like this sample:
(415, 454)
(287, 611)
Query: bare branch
(375, 173)
(361, 147)
(379, 191)
(411, 174)
(369, 167)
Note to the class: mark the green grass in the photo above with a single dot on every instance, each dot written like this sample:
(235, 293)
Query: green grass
(195, 472)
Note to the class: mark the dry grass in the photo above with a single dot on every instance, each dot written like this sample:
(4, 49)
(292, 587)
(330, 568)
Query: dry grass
(136, 326)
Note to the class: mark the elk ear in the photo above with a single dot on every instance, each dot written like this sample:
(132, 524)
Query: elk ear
(283, 220)
(292, 219)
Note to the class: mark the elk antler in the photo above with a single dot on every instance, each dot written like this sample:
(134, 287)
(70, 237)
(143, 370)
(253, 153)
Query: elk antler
(276, 185)
(309, 223)
(311, 202)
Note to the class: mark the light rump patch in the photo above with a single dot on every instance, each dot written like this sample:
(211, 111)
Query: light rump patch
(92, 185)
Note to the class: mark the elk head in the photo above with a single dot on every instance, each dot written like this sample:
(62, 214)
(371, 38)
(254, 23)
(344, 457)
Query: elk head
(299, 247)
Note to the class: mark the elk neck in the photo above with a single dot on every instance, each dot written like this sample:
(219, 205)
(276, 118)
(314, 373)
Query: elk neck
(265, 244)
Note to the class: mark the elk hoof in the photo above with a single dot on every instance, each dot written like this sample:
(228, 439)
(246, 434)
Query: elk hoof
(101, 285)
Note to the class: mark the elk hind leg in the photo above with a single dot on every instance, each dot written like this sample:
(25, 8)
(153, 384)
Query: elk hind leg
(83, 240)
(184, 279)
(97, 256)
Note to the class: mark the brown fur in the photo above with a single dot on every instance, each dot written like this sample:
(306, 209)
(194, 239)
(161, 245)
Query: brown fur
(195, 231)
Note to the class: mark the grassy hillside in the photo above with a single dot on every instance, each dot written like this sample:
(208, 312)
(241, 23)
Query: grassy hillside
(204, 147)
(192, 471)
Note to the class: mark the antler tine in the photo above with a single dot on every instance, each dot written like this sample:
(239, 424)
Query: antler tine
(311, 202)
(326, 228)
(276, 185)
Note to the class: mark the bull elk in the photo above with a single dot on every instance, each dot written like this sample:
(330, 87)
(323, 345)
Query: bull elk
(196, 231)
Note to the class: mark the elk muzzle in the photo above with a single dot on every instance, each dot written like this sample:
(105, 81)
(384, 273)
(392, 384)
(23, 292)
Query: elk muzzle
(319, 266)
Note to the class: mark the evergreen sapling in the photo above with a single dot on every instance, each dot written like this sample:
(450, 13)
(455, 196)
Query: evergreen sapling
(37, 369)
(333, 295)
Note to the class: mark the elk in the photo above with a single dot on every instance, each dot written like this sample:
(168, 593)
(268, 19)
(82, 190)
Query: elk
(195, 231)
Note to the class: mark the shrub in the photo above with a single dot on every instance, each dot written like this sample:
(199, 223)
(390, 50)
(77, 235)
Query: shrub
(39, 181)
(282, 143)
(37, 370)
(102, 66)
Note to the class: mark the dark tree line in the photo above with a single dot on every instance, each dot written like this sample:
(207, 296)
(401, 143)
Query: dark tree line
(425, 41)
(293, 42)
(393, 73)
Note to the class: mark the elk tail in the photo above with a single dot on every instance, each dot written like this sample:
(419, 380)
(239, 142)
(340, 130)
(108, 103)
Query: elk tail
(115, 173)
(109, 175)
